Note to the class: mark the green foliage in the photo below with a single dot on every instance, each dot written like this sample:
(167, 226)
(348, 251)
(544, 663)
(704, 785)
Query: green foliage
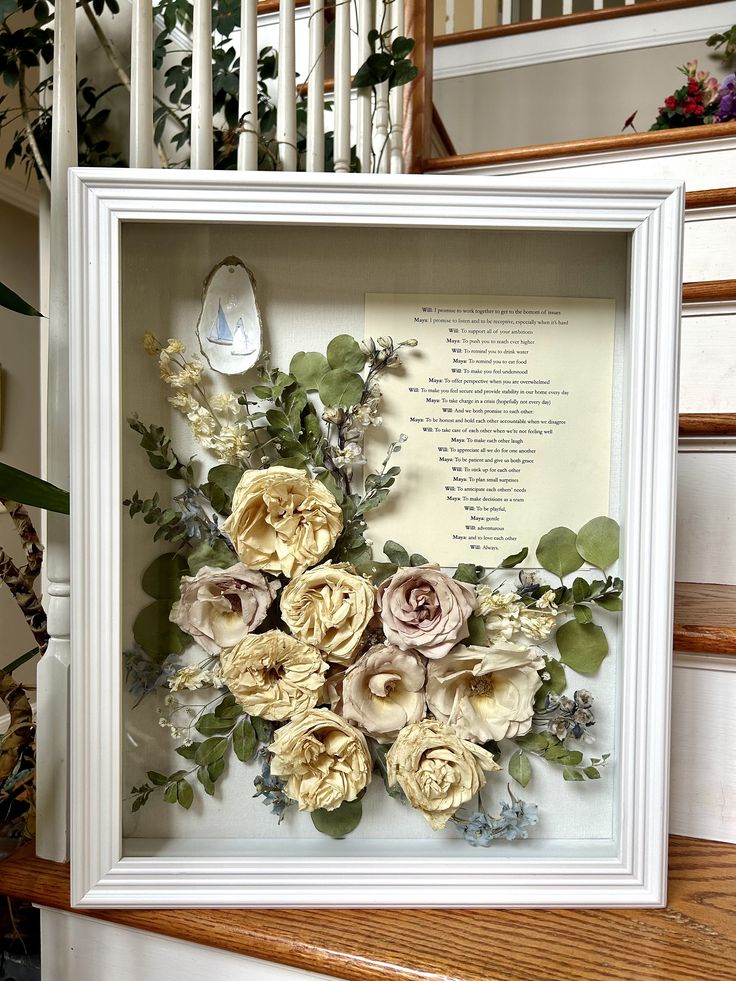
(478, 634)
(245, 740)
(397, 554)
(555, 685)
(513, 560)
(466, 572)
(724, 44)
(520, 769)
(153, 630)
(582, 646)
(162, 578)
(340, 387)
(388, 62)
(10, 300)
(598, 542)
(344, 351)
(557, 552)
(220, 487)
(161, 456)
(24, 488)
(170, 528)
(217, 554)
(341, 821)
(308, 369)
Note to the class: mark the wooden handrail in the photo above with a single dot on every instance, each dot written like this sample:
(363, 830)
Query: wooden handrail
(692, 938)
(719, 197)
(708, 424)
(570, 148)
(709, 291)
(565, 20)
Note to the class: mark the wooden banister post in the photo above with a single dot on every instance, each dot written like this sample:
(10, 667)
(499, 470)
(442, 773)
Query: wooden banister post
(419, 21)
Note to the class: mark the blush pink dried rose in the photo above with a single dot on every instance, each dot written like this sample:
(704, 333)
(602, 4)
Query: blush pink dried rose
(218, 607)
(425, 610)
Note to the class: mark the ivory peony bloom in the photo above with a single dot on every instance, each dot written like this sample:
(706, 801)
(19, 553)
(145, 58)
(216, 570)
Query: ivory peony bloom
(437, 770)
(423, 609)
(329, 607)
(273, 675)
(323, 759)
(218, 607)
(383, 691)
(282, 520)
(485, 692)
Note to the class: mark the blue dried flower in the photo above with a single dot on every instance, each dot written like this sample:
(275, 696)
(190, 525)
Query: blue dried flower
(269, 787)
(144, 674)
(513, 822)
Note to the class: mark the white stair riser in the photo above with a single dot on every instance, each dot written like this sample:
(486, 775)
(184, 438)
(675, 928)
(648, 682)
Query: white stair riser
(708, 364)
(706, 518)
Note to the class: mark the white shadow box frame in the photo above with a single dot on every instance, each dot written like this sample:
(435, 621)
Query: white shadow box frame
(631, 869)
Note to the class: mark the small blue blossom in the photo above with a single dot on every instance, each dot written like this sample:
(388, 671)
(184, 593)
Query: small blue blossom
(144, 674)
(270, 787)
(512, 823)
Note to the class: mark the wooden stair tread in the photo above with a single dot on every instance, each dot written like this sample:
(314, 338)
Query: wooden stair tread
(568, 148)
(705, 619)
(694, 937)
(707, 424)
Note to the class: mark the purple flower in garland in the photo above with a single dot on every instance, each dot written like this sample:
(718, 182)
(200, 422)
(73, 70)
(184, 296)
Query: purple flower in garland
(727, 99)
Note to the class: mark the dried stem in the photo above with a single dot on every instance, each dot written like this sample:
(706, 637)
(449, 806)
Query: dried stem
(20, 583)
(21, 729)
(28, 127)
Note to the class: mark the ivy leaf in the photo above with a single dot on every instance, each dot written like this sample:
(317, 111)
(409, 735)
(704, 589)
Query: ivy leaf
(153, 630)
(162, 578)
(402, 47)
(245, 740)
(520, 769)
(598, 542)
(396, 554)
(344, 351)
(338, 386)
(341, 821)
(512, 560)
(308, 367)
(557, 553)
(582, 646)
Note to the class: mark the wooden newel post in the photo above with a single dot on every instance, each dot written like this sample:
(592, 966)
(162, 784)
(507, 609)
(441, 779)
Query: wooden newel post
(419, 21)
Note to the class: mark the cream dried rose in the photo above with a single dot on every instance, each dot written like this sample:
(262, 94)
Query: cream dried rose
(437, 770)
(218, 607)
(485, 692)
(273, 675)
(329, 607)
(323, 759)
(383, 691)
(424, 609)
(282, 520)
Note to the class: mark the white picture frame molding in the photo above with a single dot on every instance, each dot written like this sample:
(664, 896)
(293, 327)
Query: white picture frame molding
(100, 202)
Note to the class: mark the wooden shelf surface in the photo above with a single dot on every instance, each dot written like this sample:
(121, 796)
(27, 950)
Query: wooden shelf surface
(694, 937)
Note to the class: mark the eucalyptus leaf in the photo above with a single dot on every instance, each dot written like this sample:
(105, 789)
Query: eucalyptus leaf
(188, 752)
(598, 542)
(582, 646)
(614, 604)
(219, 555)
(520, 769)
(206, 780)
(210, 725)
(557, 553)
(24, 488)
(466, 572)
(216, 768)
(417, 559)
(478, 634)
(512, 560)
(556, 683)
(157, 779)
(580, 590)
(592, 773)
(569, 773)
(162, 577)
(308, 367)
(582, 613)
(226, 477)
(156, 634)
(344, 351)
(396, 554)
(338, 386)
(170, 794)
(245, 740)
(341, 821)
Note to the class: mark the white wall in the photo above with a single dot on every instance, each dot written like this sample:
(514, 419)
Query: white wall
(20, 432)
(564, 100)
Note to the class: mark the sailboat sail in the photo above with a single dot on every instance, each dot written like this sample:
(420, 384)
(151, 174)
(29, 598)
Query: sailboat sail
(240, 340)
(220, 332)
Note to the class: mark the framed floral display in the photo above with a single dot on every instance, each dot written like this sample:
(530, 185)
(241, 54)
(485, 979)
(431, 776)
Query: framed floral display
(372, 539)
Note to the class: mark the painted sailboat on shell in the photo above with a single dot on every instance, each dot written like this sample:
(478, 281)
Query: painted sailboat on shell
(229, 326)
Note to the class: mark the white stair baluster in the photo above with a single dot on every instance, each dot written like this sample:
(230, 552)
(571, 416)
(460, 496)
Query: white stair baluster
(477, 14)
(316, 90)
(381, 143)
(365, 25)
(141, 85)
(248, 87)
(536, 9)
(506, 11)
(566, 6)
(201, 115)
(52, 738)
(343, 82)
(286, 101)
(449, 16)
(396, 98)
